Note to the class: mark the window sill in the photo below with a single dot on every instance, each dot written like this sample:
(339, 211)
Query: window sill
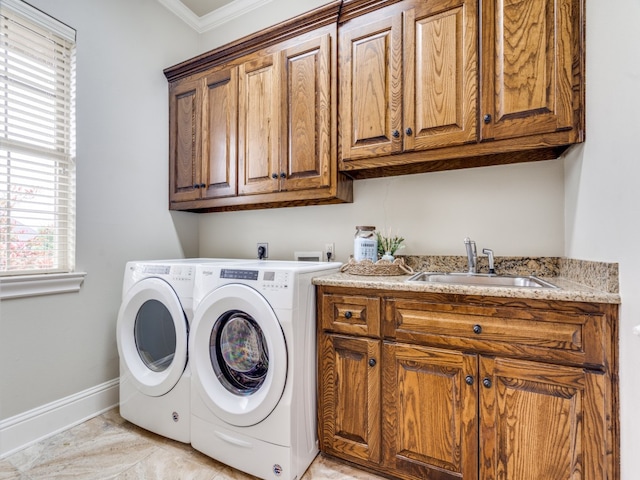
(44, 284)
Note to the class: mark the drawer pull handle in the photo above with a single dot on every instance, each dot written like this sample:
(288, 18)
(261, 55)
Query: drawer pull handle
(477, 329)
(487, 382)
(468, 379)
(348, 315)
(372, 362)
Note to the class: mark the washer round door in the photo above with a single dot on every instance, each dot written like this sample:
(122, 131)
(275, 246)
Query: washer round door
(238, 355)
(152, 336)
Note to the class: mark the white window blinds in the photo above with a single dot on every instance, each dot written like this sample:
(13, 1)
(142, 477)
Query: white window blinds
(37, 142)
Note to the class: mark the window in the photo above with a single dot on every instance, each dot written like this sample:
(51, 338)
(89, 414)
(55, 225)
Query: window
(37, 142)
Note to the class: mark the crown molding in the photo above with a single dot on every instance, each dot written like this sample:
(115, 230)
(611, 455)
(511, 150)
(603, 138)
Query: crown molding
(322, 17)
(213, 19)
(40, 18)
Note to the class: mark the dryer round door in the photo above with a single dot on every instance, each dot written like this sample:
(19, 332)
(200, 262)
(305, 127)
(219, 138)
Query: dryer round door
(238, 355)
(152, 336)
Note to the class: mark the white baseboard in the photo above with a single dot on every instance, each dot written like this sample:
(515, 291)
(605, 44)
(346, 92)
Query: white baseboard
(27, 428)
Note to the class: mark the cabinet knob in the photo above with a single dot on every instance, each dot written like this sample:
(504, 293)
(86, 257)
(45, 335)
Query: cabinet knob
(487, 118)
(468, 379)
(477, 329)
(274, 175)
(372, 362)
(408, 131)
(395, 134)
(348, 315)
(283, 175)
(203, 185)
(487, 382)
(196, 185)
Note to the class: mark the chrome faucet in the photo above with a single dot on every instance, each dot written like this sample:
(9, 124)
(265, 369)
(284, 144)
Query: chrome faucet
(489, 253)
(472, 255)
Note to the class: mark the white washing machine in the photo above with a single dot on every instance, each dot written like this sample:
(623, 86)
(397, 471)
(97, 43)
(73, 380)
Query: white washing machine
(253, 361)
(152, 336)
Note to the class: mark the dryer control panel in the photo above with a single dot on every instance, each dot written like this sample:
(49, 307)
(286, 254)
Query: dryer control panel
(273, 280)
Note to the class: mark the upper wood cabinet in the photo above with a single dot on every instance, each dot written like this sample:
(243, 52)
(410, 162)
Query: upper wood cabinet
(254, 123)
(202, 133)
(286, 108)
(367, 88)
(531, 69)
(445, 84)
(185, 144)
(408, 78)
(259, 125)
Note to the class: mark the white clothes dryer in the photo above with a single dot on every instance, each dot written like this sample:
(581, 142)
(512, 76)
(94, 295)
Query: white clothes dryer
(253, 360)
(152, 337)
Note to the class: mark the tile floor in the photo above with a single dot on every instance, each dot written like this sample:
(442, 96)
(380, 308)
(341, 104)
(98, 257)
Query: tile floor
(109, 447)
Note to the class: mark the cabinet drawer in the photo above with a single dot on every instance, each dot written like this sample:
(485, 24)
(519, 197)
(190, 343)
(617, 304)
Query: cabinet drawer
(570, 337)
(354, 315)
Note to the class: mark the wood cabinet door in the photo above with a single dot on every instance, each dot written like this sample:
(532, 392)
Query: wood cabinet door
(429, 408)
(259, 124)
(220, 124)
(185, 140)
(440, 70)
(309, 114)
(541, 421)
(349, 417)
(370, 64)
(528, 53)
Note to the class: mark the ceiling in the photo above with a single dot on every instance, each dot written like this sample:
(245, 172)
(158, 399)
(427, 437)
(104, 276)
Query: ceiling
(203, 7)
(203, 15)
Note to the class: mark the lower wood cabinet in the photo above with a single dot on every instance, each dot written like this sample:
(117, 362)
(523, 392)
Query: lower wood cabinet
(429, 412)
(540, 420)
(476, 403)
(351, 397)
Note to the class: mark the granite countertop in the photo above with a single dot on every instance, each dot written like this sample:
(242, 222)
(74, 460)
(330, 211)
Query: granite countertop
(579, 281)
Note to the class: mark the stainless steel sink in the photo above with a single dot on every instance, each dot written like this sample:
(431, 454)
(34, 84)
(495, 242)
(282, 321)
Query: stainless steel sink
(485, 280)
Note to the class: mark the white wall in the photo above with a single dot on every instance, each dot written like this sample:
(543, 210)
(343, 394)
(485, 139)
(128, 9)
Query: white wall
(602, 198)
(55, 346)
(514, 210)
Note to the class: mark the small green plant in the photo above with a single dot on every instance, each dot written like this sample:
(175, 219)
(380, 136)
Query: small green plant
(388, 243)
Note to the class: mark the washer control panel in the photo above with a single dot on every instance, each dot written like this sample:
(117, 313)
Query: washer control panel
(235, 274)
(275, 280)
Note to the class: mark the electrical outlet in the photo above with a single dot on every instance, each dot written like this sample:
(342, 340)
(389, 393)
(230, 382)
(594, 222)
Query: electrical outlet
(330, 252)
(263, 250)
